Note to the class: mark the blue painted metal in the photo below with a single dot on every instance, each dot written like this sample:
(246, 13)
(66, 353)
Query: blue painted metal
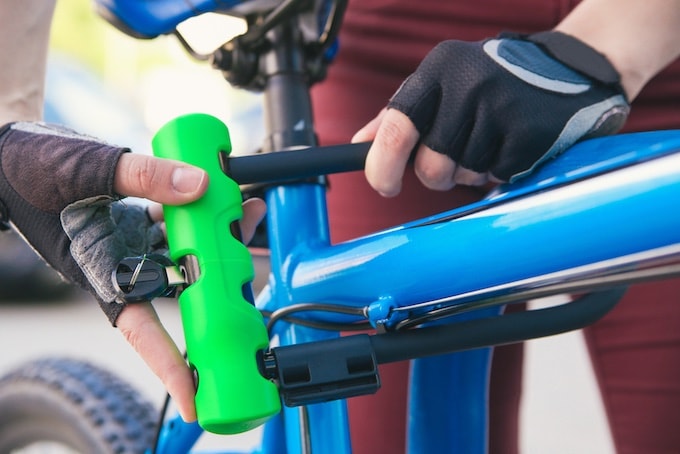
(150, 18)
(274, 436)
(177, 437)
(448, 402)
(593, 157)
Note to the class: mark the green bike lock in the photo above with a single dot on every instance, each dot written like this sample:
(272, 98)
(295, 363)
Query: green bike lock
(223, 331)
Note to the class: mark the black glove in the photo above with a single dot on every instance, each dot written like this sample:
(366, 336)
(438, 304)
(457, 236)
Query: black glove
(56, 190)
(505, 105)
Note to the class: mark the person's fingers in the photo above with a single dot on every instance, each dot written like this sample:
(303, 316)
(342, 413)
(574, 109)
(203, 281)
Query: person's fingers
(434, 170)
(143, 330)
(253, 212)
(387, 158)
(155, 211)
(369, 130)
(494, 179)
(469, 177)
(161, 180)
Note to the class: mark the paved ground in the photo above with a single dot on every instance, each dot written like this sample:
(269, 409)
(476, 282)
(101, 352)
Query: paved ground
(561, 412)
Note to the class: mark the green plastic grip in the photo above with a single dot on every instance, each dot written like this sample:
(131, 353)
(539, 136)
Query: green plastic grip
(223, 331)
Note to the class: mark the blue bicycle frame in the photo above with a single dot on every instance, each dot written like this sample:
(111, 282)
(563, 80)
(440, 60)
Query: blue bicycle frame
(606, 208)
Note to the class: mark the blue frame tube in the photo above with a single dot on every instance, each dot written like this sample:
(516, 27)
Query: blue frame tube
(454, 418)
(297, 219)
(609, 216)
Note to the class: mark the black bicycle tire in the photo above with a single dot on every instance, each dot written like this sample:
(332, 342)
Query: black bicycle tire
(76, 404)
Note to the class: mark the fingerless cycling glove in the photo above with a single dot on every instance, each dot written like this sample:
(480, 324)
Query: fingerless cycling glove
(506, 104)
(56, 190)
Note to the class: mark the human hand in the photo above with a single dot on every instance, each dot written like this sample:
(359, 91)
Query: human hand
(492, 111)
(60, 190)
(139, 322)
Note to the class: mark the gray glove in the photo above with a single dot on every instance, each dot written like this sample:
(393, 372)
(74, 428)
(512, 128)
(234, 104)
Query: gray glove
(56, 190)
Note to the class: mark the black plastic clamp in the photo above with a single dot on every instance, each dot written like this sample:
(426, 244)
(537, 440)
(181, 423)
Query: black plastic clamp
(323, 371)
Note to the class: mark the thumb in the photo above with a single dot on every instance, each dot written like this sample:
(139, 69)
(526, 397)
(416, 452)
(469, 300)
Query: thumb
(161, 180)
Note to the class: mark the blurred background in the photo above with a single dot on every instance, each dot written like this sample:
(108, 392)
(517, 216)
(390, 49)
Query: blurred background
(106, 84)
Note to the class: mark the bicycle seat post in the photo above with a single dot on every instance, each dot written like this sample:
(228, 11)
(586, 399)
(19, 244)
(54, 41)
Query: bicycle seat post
(285, 76)
(288, 109)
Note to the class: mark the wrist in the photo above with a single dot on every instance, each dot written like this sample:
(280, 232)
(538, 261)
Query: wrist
(631, 77)
(638, 38)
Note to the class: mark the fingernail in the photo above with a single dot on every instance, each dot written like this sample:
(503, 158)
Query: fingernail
(187, 179)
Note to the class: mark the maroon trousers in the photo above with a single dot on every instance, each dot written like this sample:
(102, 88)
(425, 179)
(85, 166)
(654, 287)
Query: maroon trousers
(635, 350)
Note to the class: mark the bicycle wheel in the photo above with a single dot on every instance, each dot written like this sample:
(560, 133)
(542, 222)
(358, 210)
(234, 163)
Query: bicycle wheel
(60, 405)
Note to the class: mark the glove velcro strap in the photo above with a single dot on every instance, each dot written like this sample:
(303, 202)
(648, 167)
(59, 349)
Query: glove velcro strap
(577, 55)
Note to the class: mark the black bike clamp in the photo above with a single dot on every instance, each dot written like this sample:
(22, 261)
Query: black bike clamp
(323, 371)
